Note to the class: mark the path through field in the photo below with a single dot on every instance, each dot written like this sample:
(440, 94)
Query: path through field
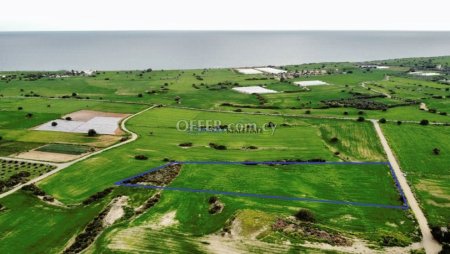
(431, 246)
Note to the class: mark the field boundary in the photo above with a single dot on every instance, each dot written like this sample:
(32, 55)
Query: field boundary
(404, 206)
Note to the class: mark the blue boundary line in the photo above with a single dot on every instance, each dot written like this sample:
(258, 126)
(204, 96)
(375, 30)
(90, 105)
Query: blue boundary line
(240, 194)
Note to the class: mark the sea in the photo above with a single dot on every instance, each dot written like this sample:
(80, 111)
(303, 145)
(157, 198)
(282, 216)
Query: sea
(137, 50)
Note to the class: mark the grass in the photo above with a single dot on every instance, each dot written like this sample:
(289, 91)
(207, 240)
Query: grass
(30, 226)
(323, 181)
(64, 149)
(14, 147)
(426, 172)
(301, 139)
(36, 227)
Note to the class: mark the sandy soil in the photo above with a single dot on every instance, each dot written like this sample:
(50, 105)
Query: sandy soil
(45, 156)
(116, 212)
(86, 115)
(167, 220)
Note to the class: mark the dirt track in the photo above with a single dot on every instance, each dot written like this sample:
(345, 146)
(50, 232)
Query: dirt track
(431, 246)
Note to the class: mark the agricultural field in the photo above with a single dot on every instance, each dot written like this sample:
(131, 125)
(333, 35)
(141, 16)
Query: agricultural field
(302, 170)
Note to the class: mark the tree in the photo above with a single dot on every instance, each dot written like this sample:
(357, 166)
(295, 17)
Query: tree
(436, 151)
(424, 122)
(360, 119)
(305, 215)
(92, 133)
(382, 120)
(74, 94)
(141, 157)
(54, 124)
(334, 140)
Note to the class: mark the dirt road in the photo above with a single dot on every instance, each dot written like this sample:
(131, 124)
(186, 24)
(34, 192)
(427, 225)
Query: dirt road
(431, 246)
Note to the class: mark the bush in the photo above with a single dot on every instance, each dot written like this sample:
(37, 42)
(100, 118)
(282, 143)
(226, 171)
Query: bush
(334, 140)
(382, 120)
(399, 122)
(20, 108)
(308, 112)
(54, 124)
(92, 133)
(68, 118)
(305, 215)
(213, 199)
(361, 113)
(187, 144)
(97, 196)
(141, 157)
(424, 122)
(345, 113)
(436, 151)
(217, 147)
(360, 119)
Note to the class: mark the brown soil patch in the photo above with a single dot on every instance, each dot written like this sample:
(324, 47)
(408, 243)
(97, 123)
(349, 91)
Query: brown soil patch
(45, 156)
(86, 115)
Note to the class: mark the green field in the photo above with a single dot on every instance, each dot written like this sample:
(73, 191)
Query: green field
(64, 149)
(295, 124)
(427, 172)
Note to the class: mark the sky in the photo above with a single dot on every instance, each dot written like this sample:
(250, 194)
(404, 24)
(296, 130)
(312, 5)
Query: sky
(81, 15)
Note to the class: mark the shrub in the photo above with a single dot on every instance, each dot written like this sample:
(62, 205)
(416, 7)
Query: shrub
(334, 140)
(305, 215)
(217, 147)
(97, 196)
(399, 122)
(382, 120)
(54, 124)
(308, 112)
(68, 118)
(140, 95)
(213, 199)
(92, 133)
(345, 113)
(20, 108)
(361, 113)
(360, 119)
(187, 144)
(424, 122)
(141, 157)
(436, 151)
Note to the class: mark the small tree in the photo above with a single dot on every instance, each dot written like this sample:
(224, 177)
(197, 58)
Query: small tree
(54, 124)
(424, 122)
(141, 157)
(382, 120)
(305, 215)
(436, 151)
(92, 133)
